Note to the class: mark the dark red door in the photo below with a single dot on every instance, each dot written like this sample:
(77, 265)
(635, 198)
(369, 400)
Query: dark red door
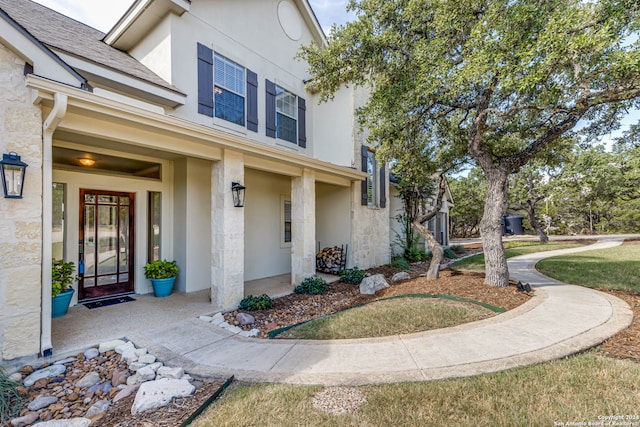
(106, 243)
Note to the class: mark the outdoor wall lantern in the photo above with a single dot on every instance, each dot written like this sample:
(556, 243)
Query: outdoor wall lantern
(12, 175)
(238, 194)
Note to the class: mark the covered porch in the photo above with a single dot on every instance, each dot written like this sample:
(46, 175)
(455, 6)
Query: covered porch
(81, 327)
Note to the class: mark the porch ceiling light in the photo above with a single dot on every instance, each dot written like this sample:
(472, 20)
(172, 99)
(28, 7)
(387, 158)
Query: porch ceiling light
(13, 171)
(237, 190)
(85, 161)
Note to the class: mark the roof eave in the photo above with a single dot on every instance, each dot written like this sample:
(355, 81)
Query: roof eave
(140, 18)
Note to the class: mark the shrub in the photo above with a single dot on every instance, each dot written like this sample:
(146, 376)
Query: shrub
(415, 255)
(10, 400)
(400, 262)
(459, 249)
(251, 303)
(312, 285)
(351, 275)
(449, 253)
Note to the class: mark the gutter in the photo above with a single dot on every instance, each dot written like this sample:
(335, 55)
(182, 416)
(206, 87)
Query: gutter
(56, 115)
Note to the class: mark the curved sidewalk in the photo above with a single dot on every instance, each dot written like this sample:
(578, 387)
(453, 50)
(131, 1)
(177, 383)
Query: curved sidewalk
(559, 320)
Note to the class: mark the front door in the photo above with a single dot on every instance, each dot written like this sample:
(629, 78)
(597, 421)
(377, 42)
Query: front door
(106, 243)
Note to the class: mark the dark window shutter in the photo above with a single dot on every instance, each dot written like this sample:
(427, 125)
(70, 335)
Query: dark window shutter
(205, 80)
(383, 186)
(252, 101)
(364, 153)
(302, 123)
(270, 121)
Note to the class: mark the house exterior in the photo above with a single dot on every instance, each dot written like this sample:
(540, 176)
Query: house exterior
(438, 225)
(134, 138)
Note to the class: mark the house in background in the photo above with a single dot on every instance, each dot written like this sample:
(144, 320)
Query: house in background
(134, 139)
(438, 225)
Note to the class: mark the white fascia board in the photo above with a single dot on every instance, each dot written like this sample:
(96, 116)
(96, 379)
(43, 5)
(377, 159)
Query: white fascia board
(140, 18)
(125, 83)
(166, 124)
(311, 19)
(45, 62)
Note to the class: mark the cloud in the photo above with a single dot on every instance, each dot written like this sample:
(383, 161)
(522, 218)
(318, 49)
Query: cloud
(98, 14)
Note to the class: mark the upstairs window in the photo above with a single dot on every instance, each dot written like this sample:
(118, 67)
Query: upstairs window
(229, 90)
(286, 117)
(232, 95)
(374, 187)
(372, 180)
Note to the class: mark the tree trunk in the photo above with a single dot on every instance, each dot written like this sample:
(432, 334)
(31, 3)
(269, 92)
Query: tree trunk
(437, 254)
(496, 270)
(531, 213)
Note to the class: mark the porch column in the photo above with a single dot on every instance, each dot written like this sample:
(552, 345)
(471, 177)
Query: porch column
(303, 226)
(227, 232)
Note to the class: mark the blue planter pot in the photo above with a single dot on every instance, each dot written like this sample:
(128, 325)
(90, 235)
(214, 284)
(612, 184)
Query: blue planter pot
(162, 287)
(60, 303)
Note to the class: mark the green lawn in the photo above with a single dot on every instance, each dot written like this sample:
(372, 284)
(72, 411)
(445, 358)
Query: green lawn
(476, 262)
(577, 389)
(614, 268)
(389, 317)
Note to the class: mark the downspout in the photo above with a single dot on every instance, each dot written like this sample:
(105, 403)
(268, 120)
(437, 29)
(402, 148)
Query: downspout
(50, 124)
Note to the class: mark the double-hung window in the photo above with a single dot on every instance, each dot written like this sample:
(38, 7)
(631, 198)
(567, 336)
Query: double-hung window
(374, 186)
(229, 90)
(286, 115)
(372, 180)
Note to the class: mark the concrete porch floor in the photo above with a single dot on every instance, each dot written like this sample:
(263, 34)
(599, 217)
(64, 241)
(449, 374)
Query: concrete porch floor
(81, 327)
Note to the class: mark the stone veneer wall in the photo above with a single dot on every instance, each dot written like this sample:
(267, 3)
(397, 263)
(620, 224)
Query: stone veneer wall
(20, 219)
(370, 241)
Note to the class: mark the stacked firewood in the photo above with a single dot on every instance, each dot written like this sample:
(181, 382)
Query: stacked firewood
(331, 260)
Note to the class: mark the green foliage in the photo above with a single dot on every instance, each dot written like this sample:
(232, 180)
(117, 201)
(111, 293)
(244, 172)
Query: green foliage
(458, 249)
(500, 81)
(251, 303)
(400, 262)
(415, 254)
(469, 193)
(312, 285)
(62, 276)
(351, 275)
(10, 400)
(161, 269)
(449, 253)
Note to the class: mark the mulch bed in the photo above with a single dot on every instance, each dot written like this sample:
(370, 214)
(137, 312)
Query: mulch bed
(625, 344)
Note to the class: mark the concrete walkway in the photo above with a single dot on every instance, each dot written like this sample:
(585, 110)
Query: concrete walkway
(559, 320)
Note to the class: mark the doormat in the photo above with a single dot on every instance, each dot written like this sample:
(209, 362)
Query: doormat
(106, 302)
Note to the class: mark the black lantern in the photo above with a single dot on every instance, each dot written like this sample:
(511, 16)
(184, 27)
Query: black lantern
(238, 194)
(12, 175)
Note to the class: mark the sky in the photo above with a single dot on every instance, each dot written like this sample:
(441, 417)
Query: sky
(102, 15)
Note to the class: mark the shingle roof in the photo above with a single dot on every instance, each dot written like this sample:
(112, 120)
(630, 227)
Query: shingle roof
(58, 31)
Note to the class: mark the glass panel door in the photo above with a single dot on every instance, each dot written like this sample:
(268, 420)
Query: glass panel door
(106, 243)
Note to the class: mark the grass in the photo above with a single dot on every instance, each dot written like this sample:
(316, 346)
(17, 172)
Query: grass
(579, 388)
(388, 317)
(614, 268)
(10, 400)
(512, 249)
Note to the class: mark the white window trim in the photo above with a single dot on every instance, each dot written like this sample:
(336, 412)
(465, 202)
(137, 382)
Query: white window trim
(295, 110)
(221, 121)
(375, 182)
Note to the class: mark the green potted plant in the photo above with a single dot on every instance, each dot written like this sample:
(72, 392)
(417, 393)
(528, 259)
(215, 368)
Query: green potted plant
(62, 277)
(162, 274)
